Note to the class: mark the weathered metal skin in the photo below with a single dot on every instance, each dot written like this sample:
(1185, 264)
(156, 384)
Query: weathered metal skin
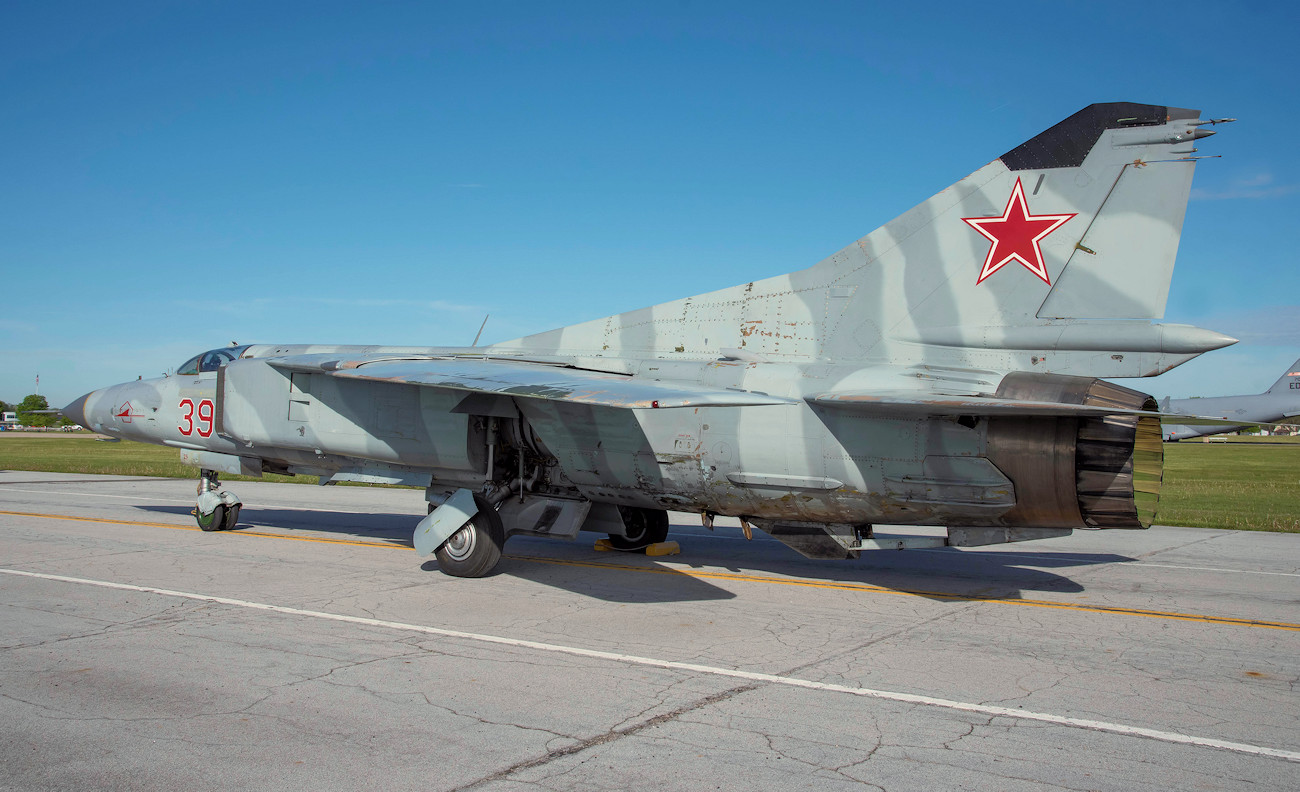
(1078, 471)
(791, 460)
(942, 370)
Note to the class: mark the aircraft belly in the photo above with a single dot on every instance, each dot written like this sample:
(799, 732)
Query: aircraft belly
(776, 462)
(952, 485)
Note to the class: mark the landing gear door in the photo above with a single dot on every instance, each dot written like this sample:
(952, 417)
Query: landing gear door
(444, 521)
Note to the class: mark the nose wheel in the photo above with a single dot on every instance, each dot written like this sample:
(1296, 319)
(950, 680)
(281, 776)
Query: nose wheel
(215, 510)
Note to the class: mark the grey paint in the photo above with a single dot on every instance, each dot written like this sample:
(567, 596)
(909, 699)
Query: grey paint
(1275, 405)
(905, 379)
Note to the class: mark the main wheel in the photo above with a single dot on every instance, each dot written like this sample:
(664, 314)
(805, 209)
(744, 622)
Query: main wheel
(476, 548)
(214, 521)
(644, 528)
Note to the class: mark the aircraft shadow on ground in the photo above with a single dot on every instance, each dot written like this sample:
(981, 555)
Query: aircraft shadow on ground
(943, 574)
(391, 528)
(602, 579)
(605, 581)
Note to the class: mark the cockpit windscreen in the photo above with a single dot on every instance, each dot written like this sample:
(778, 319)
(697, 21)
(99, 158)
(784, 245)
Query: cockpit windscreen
(211, 360)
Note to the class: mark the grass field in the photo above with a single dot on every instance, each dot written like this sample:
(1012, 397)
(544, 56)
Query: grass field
(1251, 485)
(83, 453)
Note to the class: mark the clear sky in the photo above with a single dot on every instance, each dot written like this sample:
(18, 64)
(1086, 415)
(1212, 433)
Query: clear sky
(177, 176)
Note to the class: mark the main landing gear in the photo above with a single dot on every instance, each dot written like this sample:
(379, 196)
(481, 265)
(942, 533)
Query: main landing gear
(215, 509)
(465, 533)
(476, 547)
(644, 527)
(467, 530)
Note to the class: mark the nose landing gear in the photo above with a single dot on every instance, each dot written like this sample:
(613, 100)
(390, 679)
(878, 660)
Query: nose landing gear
(215, 510)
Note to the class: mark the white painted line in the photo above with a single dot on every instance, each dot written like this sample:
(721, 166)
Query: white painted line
(1083, 560)
(4, 489)
(1169, 566)
(907, 698)
(1211, 569)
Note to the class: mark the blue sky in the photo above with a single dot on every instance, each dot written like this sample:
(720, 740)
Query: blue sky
(180, 175)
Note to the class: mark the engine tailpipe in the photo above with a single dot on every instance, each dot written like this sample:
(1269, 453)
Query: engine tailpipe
(1103, 472)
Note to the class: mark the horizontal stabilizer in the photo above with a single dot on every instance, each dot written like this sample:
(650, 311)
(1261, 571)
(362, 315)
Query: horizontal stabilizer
(914, 403)
(918, 404)
(1112, 336)
(528, 380)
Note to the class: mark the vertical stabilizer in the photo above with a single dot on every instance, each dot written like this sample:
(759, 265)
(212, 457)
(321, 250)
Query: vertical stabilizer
(1289, 382)
(1080, 222)
(1008, 268)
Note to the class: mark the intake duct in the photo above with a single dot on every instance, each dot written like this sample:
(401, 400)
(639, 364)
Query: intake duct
(1072, 472)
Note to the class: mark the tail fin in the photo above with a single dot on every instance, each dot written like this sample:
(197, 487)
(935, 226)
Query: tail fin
(1080, 222)
(1289, 382)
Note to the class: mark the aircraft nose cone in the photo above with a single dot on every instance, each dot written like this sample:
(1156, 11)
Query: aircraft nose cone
(76, 411)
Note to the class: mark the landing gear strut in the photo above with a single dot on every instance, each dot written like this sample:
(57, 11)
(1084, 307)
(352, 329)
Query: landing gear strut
(215, 510)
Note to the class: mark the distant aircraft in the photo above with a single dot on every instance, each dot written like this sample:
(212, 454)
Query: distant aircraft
(943, 370)
(1275, 405)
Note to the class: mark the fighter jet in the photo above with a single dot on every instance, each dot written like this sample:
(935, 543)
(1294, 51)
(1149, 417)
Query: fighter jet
(1275, 405)
(944, 370)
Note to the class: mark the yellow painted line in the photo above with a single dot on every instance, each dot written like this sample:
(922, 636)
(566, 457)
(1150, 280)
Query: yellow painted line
(173, 526)
(321, 539)
(735, 577)
(868, 588)
(95, 520)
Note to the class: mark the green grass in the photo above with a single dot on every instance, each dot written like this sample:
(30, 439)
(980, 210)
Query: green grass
(1247, 485)
(1243, 485)
(81, 453)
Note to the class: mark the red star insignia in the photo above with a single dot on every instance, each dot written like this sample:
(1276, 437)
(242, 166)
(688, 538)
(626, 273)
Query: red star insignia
(1015, 236)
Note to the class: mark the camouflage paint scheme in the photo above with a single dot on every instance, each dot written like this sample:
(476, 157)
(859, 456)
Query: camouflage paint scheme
(942, 370)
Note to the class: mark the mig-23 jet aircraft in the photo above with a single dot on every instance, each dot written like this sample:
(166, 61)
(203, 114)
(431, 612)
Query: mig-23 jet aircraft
(943, 370)
(1279, 403)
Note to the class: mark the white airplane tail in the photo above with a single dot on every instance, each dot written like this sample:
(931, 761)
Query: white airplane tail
(1051, 258)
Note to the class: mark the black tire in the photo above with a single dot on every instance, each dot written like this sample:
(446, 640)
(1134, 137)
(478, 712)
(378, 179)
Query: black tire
(644, 528)
(476, 548)
(213, 521)
(232, 518)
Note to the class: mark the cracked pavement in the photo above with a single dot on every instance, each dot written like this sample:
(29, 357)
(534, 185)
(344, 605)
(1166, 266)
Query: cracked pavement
(118, 689)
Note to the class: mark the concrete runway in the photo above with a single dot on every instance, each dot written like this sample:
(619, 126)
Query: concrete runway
(310, 649)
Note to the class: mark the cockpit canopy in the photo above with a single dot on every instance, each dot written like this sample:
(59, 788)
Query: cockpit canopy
(211, 360)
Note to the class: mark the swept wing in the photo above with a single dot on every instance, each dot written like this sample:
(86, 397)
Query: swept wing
(526, 379)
